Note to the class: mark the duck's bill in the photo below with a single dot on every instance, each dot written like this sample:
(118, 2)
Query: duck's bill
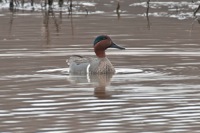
(116, 46)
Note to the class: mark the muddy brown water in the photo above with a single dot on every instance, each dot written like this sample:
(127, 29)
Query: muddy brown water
(38, 95)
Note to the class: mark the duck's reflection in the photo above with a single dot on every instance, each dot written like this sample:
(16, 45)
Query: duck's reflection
(100, 81)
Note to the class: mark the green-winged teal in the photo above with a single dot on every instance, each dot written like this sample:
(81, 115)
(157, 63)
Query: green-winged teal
(100, 65)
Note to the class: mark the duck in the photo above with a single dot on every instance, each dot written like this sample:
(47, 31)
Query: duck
(80, 65)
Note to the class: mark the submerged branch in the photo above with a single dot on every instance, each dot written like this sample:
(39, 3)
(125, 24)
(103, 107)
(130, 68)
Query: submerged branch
(147, 14)
(196, 10)
(32, 1)
(117, 10)
(70, 7)
(60, 3)
(118, 7)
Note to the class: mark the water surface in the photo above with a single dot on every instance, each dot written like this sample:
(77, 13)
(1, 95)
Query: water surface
(156, 88)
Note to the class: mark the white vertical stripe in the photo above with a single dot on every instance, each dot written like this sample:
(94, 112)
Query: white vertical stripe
(88, 68)
(88, 73)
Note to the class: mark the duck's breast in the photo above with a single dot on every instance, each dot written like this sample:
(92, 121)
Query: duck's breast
(102, 66)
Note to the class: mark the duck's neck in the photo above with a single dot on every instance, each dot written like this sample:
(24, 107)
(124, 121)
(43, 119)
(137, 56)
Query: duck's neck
(100, 53)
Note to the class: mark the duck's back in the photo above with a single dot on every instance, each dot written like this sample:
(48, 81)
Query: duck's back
(82, 65)
(78, 65)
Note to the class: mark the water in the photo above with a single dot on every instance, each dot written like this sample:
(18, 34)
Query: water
(156, 88)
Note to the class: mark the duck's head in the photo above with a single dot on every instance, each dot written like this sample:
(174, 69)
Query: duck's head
(101, 43)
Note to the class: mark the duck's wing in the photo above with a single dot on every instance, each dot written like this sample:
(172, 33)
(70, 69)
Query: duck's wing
(78, 64)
